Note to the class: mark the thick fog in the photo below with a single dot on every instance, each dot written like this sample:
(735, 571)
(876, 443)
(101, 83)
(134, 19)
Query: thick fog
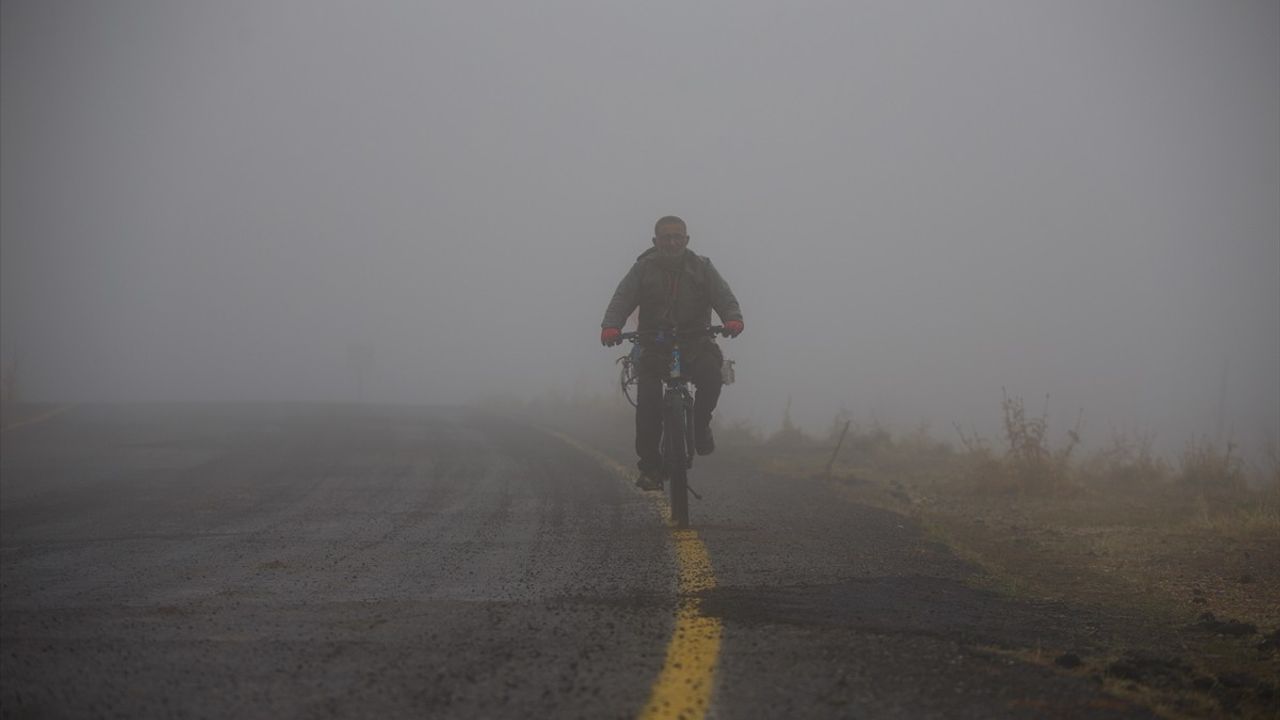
(917, 204)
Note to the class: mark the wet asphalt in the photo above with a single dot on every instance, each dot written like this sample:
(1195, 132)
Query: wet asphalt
(326, 561)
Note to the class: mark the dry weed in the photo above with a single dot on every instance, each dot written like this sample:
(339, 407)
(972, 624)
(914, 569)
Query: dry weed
(1213, 471)
(1127, 463)
(1034, 466)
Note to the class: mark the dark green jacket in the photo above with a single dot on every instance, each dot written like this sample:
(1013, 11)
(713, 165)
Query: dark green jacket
(684, 293)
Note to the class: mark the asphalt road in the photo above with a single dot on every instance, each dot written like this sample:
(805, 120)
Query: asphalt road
(319, 561)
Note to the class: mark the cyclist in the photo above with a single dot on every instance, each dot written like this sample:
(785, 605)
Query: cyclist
(673, 287)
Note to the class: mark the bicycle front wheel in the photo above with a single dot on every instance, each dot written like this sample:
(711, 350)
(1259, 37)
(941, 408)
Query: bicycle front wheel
(676, 458)
(629, 381)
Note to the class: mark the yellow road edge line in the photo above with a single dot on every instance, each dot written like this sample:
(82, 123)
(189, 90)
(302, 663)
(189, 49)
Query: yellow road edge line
(39, 418)
(684, 685)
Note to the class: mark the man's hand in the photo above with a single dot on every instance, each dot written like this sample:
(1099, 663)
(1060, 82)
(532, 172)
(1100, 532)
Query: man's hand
(733, 328)
(613, 336)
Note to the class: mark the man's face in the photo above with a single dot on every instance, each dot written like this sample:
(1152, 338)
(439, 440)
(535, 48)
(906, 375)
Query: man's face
(671, 239)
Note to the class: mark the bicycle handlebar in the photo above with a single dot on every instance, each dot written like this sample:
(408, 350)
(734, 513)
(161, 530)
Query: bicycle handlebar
(711, 331)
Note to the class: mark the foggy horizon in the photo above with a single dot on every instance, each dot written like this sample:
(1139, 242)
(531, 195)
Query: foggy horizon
(917, 205)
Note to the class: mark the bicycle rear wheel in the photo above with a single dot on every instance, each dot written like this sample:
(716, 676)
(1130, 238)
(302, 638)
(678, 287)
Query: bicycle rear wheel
(676, 458)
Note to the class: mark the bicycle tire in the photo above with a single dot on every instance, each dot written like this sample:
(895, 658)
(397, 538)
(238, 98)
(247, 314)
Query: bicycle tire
(627, 378)
(689, 441)
(676, 459)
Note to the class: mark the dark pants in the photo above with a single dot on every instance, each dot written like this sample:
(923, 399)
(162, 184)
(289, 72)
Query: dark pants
(703, 367)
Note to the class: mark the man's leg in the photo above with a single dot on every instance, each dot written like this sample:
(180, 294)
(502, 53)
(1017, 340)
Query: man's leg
(649, 423)
(706, 377)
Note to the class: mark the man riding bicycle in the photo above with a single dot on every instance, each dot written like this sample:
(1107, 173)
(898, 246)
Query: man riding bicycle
(674, 288)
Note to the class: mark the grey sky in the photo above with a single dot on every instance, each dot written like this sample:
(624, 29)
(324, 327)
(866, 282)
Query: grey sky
(917, 203)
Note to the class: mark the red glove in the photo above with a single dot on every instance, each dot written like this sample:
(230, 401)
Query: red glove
(610, 336)
(733, 327)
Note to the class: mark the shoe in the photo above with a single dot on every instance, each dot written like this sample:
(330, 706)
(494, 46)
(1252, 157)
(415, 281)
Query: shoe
(649, 482)
(703, 441)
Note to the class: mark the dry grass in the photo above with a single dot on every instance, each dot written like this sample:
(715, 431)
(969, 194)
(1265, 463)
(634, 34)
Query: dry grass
(1127, 461)
(1121, 531)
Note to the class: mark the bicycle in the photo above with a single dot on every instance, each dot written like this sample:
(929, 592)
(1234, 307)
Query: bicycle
(677, 411)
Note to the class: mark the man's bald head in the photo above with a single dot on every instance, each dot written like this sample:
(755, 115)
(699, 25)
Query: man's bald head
(669, 220)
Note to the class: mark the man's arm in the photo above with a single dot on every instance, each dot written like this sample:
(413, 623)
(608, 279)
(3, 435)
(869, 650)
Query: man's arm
(625, 300)
(722, 298)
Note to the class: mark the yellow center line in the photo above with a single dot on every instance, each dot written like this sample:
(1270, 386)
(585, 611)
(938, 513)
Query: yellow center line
(39, 418)
(684, 685)
(683, 688)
